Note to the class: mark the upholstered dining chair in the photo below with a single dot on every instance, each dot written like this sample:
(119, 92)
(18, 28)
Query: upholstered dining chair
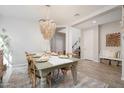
(64, 70)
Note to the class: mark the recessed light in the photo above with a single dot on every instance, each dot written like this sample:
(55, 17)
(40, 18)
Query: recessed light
(48, 5)
(120, 22)
(77, 14)
(94, 22)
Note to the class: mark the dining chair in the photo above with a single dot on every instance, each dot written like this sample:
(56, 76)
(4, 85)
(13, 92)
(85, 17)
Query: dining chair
(2, 66)
(34, 73)
(61, 53)
(64, 70)
(1, 73)
(29, 63)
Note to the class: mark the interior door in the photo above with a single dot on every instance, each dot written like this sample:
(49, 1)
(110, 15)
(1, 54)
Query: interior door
(88, 44)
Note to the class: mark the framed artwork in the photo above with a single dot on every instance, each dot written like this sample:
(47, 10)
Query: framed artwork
(113, 39)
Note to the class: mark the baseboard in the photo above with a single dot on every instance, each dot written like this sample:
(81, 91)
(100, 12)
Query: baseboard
(18, 65)
(91, 60)
(96, 61)
(82, 59)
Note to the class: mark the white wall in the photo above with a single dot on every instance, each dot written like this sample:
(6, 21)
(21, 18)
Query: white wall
(82, 45)
(122, 53)
(72, 35)
(107, 29)
(58, 42)
(96, 43)
(68, 40)
(90, 38)
(25, 36)
(88, 44)
(75, 34)
(100, 33)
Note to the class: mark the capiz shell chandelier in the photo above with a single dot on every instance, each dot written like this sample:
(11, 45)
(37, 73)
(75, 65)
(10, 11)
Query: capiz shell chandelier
(47, 27)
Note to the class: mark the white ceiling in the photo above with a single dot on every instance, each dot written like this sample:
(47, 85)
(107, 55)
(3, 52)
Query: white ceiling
(107, 17)
(61, 14)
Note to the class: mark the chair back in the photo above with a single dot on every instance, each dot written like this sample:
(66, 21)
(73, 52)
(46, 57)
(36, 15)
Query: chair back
(28, 57)
(61, 53)
(32, 71)
(32, 65)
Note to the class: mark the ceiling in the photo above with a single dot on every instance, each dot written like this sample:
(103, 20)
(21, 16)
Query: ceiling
(61, 14)
(107, 17)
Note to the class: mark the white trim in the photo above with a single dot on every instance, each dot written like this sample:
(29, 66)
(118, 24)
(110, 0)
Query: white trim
(122, 54)
(61, 26)
(96, 61)
(101, 11)
(18, 65)
(89, 60)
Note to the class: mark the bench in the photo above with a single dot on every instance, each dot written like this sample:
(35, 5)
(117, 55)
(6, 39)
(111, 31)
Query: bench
(119, 60)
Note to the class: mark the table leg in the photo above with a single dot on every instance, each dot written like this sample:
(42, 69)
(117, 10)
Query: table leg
(100, 60)
(42, 80)
(118, 63)
(74, 73)
(109, 62)
(1, 79)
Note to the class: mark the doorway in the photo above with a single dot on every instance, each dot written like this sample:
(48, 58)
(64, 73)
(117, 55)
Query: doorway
(58, 43)
(88, 44)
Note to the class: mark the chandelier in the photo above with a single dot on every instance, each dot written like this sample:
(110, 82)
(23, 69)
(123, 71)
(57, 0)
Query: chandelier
(47, 27)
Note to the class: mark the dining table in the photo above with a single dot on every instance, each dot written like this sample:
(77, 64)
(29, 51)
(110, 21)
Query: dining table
(55, 62)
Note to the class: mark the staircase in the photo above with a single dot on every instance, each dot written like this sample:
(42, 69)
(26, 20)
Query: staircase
(76, 49)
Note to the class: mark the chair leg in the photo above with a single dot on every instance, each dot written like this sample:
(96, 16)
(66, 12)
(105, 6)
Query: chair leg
(29, 75)
(29, 71)
(109, 62)
(118, 63)
(33, 81)
(58, 73)
(49, 80)
(53, 73)
(64, 72)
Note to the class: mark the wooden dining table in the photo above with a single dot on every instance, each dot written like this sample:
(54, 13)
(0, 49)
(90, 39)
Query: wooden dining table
(54, 63)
